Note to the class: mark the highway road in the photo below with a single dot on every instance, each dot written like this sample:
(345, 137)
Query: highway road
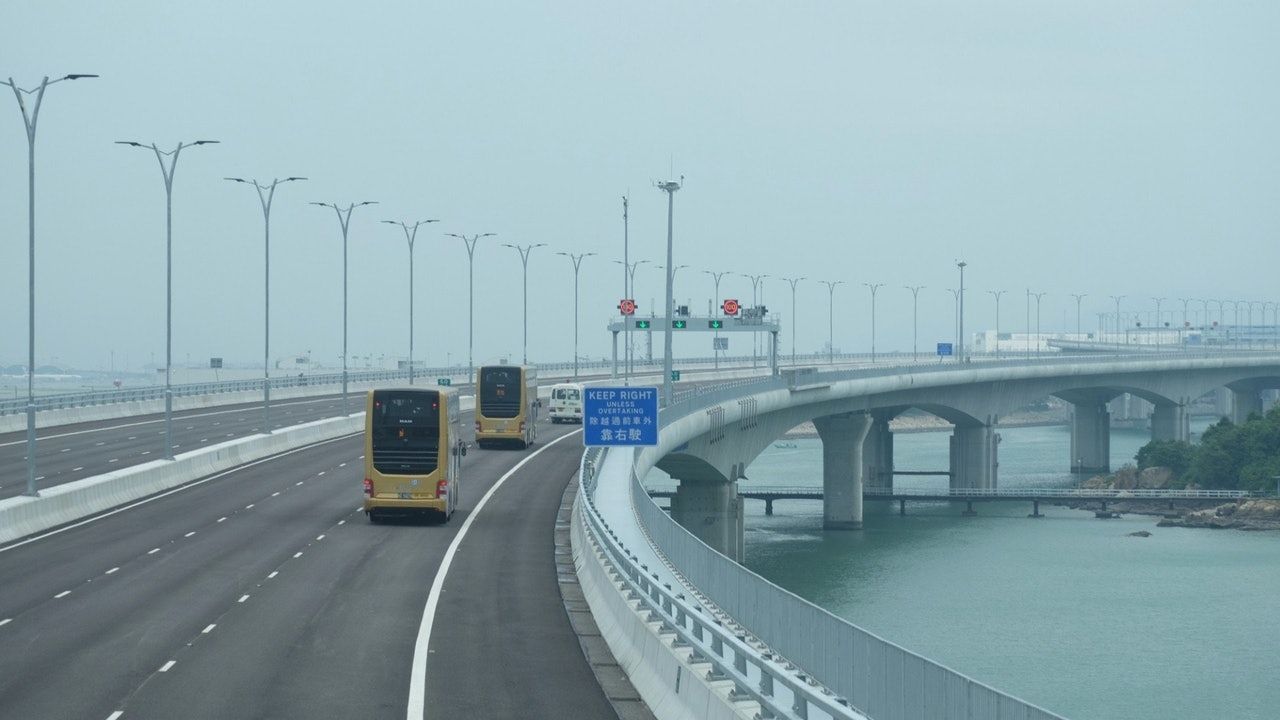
(264, 592)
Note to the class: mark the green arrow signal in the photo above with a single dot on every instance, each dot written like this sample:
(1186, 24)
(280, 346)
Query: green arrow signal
(677, 324)
(642, 324)
(715, 324)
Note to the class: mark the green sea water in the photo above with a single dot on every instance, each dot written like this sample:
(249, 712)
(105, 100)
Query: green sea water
(1067, 612)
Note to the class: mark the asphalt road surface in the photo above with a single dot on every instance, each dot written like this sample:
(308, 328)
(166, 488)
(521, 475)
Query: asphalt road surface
(263, 592)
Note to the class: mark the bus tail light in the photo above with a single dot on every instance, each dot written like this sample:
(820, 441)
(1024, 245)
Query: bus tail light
(368, 487)
(442, 488)
(477, 426)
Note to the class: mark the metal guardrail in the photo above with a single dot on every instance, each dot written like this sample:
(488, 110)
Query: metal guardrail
(779, 687)
(1009, 492)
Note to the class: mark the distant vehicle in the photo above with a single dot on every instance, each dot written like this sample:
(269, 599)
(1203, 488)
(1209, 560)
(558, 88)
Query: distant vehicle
(566, 403)
(413, 453)
(507, 405)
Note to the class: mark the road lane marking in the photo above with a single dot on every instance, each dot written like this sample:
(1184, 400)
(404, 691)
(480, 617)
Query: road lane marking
(77, 469)
(5, 621)
(273, 574)
(146, 452)
(249, 506)
(99, 444)
(153, 551)
(297, 483)
(418, 673)
(114, 569)
(115, 715)
(275, 494)
(65, 450)
(193, 532)
(342, 522)
(243, 598)
(165, 667)
(342, 464)
(209, 629)
(320, 537)
(297, 555)
(320, 473)
(133, 437)
(113, 460)
(62, 594)
(222, 519)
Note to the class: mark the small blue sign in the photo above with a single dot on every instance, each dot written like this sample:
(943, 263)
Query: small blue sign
(944, 349)
(620, 416)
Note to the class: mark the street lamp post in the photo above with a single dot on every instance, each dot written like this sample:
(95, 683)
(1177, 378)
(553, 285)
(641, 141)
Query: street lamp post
(873, 287)
(915, 316)
(524, 260)
(167, 172)
(410, 234)
(715, 277)
(996, 294)
(1158, 300)
(344, 221)
(794, 282)
(577, 263)
(629, 270)
(627, 280)
(1078, 297)
(961, 264)
(955, 319)
(29, 120)
(1118, 298)
(266, 193)
(831, 333)
(470, 242)
(755, 302)
(669, 187)
(1038, 296)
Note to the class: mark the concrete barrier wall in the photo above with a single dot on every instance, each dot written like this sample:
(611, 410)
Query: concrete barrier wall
(671, 685)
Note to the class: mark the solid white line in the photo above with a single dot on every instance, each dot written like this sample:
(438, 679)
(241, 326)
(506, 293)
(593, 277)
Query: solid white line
(208, 630)
(177, 490)
(165, 667)
(62, 594)
(243, 598)
(418, 673)
(115, 715)
(111, 571)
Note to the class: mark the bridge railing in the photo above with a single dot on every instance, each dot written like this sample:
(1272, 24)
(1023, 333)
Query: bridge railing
(780, 689)
(1010, 492)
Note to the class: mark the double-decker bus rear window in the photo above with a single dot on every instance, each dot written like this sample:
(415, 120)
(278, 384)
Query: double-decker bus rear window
(406, 432)
(500, 390)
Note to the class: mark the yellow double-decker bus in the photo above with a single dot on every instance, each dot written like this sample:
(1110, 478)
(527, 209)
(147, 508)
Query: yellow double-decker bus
(413, 451)
(507, 405)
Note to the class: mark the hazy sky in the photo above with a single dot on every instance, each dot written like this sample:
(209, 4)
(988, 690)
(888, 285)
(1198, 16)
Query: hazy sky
(1101, 147)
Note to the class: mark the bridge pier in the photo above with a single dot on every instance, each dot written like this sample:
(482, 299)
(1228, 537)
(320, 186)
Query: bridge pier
(1244, 403)
(877, 454)
(1170, 421)
(973, 456)
(1090, 438)
(712, 512)
(843, 439)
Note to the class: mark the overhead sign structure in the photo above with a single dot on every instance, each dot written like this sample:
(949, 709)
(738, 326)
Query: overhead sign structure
(215, 363)
(944, 349)
(620, 416)
(730, 306)
(627, 306)
(444, 382)
(720, 343)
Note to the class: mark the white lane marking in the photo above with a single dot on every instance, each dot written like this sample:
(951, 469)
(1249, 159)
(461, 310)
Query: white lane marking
(320, 473)
(175, 447)
(361, 457)
(193, 532)
(249, 506)
(342, 522)
(5, 621)
(297, 483)
(133, 437)
(275, 494)
(297, 555)
(39, 478)
(231, 434)
(152, 551)
(65, 450)
(418, 673)
(359, 508)
(217, 424)
(192, 427)
(320, 537)
(165, 667)
(344, 464)
(222, 519)
(115, 715)
(62, 594)
(243, 598)
(114, 569)
(204, 439)
(113, 460)
(146, 452)
(209, 629)
(273, 574)
(77, 469)
(99, 444)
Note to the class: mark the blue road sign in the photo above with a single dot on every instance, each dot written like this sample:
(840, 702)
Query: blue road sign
(944, 349)
(620, 416)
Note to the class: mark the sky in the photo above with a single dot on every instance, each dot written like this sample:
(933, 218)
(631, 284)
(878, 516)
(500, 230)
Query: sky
(1099, 147)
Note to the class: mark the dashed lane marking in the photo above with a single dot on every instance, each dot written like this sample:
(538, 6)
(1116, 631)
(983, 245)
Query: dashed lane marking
(153, 551)
(165, 667)
(193, 532)
(243, 598)
(114, 569)
(62, 594)
(209, 629)
(273, 574)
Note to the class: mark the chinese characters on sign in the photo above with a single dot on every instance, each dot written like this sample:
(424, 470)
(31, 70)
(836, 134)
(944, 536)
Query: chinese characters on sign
(620, 416)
